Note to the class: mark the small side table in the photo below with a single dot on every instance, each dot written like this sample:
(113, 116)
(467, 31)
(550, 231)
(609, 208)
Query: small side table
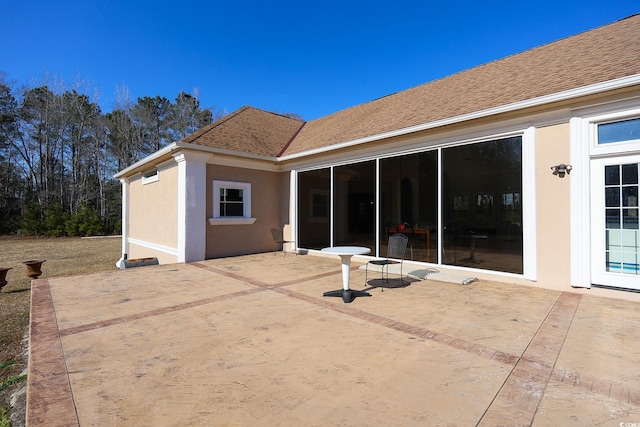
(345, 253)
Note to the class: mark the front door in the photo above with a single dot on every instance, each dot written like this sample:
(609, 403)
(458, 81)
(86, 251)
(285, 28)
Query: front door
(615, 237)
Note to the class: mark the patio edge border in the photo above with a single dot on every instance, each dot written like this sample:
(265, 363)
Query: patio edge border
(49, 395)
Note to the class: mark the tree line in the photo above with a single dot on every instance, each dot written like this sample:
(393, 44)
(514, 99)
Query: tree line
(59, 152)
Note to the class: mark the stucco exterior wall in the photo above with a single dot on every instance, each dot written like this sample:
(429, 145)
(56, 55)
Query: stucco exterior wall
(153, 215)
(553, 208)
(267, 201)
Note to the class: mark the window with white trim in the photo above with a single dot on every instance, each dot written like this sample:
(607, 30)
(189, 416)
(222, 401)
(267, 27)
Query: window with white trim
(149, 176)
(620, 131)
(614, 133)
(231, 203)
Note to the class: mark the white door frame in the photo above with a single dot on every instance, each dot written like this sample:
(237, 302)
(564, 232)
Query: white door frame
(599, 273)
(584, 149)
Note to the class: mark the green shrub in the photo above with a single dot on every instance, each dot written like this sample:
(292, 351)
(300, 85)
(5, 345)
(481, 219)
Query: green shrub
(31, 224)
(54, 221)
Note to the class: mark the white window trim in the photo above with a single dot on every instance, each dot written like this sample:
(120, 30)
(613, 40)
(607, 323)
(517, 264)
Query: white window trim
(623, 147)
(246, 219)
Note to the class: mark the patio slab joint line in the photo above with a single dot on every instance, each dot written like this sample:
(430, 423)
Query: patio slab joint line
(260, 287)
(477, 349)
(519, 396)
(261, 284)
(155, 312)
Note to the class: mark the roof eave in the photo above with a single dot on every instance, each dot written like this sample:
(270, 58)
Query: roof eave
(149, 159)
(175, 146)
(225, 151)
(507, 108)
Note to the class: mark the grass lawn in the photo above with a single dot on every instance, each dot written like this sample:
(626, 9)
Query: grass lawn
(63, 257)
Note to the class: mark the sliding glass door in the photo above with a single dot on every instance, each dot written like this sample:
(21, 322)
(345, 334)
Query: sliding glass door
(354, 204)
(409, 195)
(481, 205)
(460, 205)
(314, 198)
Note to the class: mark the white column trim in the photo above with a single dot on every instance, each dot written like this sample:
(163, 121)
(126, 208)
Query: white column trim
(124, 222)
(293, 207)
(376, 247)
(191, 205)
(529, 205)
(580, 210)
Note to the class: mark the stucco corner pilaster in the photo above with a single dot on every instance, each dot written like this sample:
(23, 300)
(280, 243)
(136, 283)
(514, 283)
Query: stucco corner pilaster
(191, 204)
(191, 156)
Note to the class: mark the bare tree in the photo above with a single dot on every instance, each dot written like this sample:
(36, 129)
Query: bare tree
(59, 152)
(187, 117)
(126, 140)
(152, 115)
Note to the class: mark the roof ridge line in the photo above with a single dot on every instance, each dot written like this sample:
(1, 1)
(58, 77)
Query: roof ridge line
(286, 146)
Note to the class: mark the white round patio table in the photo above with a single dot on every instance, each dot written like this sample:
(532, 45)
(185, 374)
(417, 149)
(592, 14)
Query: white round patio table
(345, 253)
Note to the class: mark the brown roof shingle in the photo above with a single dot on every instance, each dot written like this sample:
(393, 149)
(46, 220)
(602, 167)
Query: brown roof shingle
(248, 130)
(596, 56)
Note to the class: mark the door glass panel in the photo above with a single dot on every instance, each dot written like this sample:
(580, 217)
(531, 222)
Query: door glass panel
(630, 174)
(354, 210)
(613, 218)
(622, 244)
(630, 219)
(409, 194)
(612, 175)
(481, 208)
(612, 197)
(630, 196)
(314, 195)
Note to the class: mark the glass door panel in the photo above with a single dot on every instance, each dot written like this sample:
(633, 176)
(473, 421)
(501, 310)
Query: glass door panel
(481, 205)
(409, 194)
(314, 197)
(615, 248)
(354, 210)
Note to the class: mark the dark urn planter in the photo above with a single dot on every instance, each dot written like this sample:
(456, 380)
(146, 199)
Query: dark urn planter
(33, 268)
(3, 276)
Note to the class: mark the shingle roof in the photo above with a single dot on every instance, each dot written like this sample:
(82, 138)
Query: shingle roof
(248, 130)
(596, 56)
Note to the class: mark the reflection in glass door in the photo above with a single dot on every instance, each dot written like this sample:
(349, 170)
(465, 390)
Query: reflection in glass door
(615, 230)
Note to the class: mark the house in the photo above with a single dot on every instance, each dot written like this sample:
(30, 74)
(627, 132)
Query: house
(524, 170)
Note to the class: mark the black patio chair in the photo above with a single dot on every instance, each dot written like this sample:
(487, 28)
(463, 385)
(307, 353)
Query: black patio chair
(396, 249)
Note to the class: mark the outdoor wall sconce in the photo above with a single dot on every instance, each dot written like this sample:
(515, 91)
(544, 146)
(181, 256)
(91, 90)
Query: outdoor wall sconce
(561, 169)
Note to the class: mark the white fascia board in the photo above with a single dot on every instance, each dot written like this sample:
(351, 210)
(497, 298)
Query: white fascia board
(534, 102)
(150, 158)
(227, 152)
(186, 145)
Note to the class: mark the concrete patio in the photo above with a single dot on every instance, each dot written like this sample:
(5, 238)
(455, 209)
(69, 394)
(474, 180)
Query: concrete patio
(250, 341)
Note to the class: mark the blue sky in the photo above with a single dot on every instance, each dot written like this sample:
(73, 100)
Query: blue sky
(312, 58)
